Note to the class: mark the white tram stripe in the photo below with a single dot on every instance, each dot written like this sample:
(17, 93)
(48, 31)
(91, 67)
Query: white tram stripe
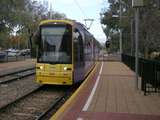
(79, 118)
(85, 108)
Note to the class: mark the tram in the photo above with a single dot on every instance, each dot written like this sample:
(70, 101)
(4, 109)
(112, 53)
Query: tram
(66, 52)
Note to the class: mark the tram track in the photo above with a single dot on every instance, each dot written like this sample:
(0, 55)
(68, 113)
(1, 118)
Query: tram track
(47, 114)
(19, 98)
(36, 104)
(16, 75)
(16, 89)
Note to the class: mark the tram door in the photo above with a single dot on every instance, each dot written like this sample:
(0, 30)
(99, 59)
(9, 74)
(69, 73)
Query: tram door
(78, 56)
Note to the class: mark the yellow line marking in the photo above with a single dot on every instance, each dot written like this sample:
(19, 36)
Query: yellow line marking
(89, 70)
(69, 101)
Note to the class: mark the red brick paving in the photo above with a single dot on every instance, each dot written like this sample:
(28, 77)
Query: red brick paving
(115, 98)
(117, 93)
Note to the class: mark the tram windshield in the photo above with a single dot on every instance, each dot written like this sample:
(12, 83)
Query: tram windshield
(56, 45)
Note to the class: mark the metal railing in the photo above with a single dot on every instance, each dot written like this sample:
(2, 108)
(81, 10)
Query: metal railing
(149, 71)
(5, 58)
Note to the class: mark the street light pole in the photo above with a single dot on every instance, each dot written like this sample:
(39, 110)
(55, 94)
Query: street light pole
(136, 44)
(120, 37)
(137, 4)
(132, 38)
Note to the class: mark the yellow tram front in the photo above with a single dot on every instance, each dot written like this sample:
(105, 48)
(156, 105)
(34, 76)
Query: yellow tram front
(54, 58)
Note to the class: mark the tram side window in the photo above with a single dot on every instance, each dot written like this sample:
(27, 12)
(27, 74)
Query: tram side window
(78, 44)
(81, 48)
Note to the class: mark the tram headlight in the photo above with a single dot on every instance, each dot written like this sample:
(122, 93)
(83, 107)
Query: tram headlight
(41, 67)
(65, 68)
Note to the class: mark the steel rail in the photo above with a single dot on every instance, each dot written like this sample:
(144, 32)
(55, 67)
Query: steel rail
(15, 72)
(20, 98)
(52, 106)
(49, 108)
(17, 76)
(58, 102)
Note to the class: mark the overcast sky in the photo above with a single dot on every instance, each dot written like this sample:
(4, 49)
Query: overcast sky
(80, 10)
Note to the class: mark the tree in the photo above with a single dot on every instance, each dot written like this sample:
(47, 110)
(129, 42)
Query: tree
(149, 25)
(21, 18)
(8, 17)
(110, 18)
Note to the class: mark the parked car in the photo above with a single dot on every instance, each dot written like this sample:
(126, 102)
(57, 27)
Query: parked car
(27, 51)
(2, 55)
(12, 52)
(24, 52)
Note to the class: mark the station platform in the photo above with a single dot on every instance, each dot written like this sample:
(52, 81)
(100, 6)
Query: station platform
(109, 93)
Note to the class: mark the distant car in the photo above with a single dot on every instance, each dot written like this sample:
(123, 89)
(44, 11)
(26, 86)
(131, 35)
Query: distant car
(105, 55)
(12, 52)
(24, 52)
(27, 51)
(2, 55)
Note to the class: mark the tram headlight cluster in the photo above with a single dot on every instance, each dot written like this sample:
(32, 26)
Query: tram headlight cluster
(65, 68)
(41, 67)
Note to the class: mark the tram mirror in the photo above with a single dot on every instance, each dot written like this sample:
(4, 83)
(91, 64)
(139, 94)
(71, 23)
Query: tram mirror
(76, 34)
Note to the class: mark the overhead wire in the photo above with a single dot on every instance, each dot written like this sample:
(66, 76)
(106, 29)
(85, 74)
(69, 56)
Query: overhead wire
(80, 8)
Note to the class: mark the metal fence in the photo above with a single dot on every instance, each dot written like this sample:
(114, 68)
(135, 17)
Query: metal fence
(5, 58)
(149, 71)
